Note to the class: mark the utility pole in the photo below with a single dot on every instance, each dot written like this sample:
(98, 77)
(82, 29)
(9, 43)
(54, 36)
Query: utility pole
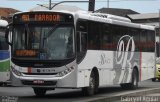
(107, 3)
(91, 5)
(50, 4)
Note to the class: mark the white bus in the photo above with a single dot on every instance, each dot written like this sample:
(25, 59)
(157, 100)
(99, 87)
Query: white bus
(51, 49)
(4, 55)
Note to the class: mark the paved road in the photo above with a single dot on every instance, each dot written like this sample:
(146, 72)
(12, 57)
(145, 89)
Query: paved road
(26, 94)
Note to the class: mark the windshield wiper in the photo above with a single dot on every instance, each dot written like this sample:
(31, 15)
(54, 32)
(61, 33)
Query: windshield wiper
(50, 32)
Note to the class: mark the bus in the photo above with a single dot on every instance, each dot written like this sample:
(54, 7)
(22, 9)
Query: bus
(4, 55)
(62, 49)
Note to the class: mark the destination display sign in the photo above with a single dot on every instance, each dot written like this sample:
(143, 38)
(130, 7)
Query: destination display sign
(26, 53)
(42, 17)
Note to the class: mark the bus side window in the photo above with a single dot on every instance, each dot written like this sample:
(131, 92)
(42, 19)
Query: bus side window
(143, 41)
(81, 42)
(81, 39)
(3, 44)
(135, 34)
(150, 40)
(94, 35)
(107, 38)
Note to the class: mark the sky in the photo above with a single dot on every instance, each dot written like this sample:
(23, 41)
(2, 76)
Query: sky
(141, 6)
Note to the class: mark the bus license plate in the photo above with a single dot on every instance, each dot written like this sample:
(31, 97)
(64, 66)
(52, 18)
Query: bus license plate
(38, 82)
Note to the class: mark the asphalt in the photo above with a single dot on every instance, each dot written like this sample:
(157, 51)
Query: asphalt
(144, 95)
(147, 92)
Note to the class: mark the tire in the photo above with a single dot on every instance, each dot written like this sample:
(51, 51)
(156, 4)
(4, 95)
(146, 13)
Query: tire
(93, 86)
(153, 79)
(134, 81)
(40, 91)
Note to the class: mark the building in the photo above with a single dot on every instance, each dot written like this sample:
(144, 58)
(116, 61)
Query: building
(5, 13)
(117, 11)
(152, 19)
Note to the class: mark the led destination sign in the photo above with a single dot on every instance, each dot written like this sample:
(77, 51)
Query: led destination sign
(29, 53)
(42, 17)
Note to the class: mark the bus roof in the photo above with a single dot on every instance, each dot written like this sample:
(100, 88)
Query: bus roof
(113, 19)
(101, 17)
(3, 23)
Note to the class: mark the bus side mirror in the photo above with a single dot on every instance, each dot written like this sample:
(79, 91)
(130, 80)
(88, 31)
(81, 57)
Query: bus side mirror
(8, 34)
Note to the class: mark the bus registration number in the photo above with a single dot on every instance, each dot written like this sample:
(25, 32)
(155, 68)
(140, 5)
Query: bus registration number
(38, 81)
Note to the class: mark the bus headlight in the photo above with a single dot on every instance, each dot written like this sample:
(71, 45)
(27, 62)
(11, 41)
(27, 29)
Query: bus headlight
(66, 71)
(18, 73)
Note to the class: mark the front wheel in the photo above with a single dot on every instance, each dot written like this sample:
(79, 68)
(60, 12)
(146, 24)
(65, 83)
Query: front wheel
(40, 91)
(92, 88)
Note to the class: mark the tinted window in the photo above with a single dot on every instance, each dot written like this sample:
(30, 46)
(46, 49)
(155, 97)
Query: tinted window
(136, 36)
(147, 41)
(81, 39)
(150, 40)
(3, 44)
(107, 38)
(94, 35)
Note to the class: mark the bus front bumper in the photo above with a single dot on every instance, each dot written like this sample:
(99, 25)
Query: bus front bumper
(69, 80)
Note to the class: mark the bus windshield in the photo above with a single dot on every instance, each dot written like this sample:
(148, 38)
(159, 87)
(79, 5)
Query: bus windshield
(43, 42)
(3, 44)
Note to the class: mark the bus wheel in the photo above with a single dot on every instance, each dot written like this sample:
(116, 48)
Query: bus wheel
(39, 91)
(91, 89)
(134, 81)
